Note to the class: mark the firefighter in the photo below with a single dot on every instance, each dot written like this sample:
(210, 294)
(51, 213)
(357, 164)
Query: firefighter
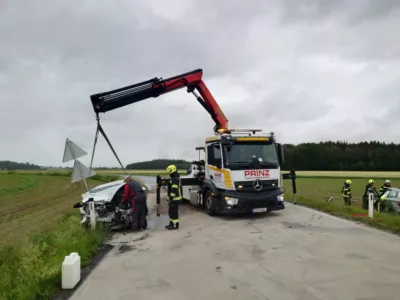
(134, 192)
(346, 192)
(368, 188)
(384, 187)
(381, 201)
(174, 197)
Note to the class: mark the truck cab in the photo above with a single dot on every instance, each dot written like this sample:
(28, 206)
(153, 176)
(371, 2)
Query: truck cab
(240, 173)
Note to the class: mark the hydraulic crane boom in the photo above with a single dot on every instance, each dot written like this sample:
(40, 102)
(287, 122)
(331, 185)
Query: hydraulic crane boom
(155, 87)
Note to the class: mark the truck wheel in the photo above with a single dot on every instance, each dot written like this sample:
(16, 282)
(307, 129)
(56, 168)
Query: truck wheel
(210, 203)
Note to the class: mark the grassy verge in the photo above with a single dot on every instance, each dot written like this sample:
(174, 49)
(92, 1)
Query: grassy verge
(35, 239)
(381, 220)
(31, 269)
(38, 228)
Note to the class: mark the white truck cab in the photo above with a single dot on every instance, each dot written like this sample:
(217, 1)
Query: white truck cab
(240, 173)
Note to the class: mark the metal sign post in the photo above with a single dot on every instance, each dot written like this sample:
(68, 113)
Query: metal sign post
(77, 165)
(80, 172)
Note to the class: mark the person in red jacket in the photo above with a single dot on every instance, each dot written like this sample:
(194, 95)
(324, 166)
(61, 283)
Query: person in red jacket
(134, 192)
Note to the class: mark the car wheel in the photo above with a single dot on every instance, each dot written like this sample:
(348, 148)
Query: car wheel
(391, 211)
(210, 203)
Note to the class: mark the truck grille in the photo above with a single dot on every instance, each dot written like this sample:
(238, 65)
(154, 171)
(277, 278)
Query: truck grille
(247, 186)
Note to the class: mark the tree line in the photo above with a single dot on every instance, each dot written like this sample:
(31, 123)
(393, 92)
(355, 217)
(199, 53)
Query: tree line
(337, 156)
(159, 164)
(323, 156)
(12, 165)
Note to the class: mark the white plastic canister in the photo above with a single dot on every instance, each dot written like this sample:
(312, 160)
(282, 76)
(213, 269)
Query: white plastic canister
(71, 271)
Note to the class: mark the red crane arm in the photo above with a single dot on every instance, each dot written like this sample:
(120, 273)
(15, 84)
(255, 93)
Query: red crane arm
(103, 102)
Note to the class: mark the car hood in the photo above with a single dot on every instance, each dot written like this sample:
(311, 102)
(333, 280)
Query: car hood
(104, 192)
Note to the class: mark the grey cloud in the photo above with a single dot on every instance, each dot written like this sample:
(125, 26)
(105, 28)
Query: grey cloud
(351, 12)
(351, 29)
(309, 10)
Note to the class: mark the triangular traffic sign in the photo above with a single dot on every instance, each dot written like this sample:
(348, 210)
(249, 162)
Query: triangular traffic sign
(81, 168)
(72, 151)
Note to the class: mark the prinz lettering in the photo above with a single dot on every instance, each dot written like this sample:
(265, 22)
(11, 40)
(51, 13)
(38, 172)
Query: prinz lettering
(256, 173)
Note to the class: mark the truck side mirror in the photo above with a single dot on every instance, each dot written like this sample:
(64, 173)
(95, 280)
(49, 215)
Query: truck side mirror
(281, 156)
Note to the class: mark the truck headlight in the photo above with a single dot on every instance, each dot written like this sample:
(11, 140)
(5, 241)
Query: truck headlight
(280, 198)
(231, 201)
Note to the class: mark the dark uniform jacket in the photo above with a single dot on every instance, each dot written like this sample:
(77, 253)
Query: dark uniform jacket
(174, 188)
(346, 190)
(131, 189)
(384, 188)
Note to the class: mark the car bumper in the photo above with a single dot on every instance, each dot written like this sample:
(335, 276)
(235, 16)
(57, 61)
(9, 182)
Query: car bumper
(251, 202)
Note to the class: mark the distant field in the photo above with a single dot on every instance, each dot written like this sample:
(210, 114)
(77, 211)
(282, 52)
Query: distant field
(102, 172)
(372, 174)
(119, 171)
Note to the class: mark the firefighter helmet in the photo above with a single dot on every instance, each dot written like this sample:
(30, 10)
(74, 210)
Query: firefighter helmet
(348, 181)
(171, 169)
(371, 181)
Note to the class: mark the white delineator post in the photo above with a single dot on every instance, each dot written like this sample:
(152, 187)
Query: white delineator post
(71, 271)
(92, 214)
(371, 205)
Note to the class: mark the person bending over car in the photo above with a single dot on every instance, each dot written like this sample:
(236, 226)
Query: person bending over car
(134, 193)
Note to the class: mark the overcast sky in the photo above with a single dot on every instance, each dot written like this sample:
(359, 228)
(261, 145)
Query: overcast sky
(307, 70)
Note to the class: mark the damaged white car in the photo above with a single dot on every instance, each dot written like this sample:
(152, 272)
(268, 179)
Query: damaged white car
(107, 200)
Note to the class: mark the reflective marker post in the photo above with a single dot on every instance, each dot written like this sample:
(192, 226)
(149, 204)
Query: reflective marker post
(92, 214)
(158, 194)
(371, 205)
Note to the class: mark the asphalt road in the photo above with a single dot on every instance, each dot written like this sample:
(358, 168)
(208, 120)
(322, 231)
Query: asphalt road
(296, 254)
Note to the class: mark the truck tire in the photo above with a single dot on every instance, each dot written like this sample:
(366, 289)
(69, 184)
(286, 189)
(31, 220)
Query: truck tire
(210, 203)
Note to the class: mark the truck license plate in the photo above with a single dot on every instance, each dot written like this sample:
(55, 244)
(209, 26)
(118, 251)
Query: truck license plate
(258, 210)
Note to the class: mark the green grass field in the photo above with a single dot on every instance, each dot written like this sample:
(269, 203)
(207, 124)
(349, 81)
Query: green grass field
(314, 193)
(38, 227)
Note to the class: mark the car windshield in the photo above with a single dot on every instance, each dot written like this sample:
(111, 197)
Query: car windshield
(263, 154)
(103, 188)
(391, 194)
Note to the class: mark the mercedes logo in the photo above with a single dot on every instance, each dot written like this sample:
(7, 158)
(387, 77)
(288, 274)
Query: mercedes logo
(257, 185)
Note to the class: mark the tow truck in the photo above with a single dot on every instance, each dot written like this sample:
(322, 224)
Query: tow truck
(241, 170)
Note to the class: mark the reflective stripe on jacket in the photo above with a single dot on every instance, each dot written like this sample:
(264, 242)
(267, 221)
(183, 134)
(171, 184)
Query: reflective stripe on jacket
(346, 191)
(174, 189)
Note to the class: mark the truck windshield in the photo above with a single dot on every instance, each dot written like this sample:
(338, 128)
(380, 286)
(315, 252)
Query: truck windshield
(255, 154)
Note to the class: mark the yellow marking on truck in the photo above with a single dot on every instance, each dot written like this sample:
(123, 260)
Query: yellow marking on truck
(242, 139)
(213, 138)
(227, 176)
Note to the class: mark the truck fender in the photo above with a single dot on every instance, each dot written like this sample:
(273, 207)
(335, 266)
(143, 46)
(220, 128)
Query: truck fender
(208, 184)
